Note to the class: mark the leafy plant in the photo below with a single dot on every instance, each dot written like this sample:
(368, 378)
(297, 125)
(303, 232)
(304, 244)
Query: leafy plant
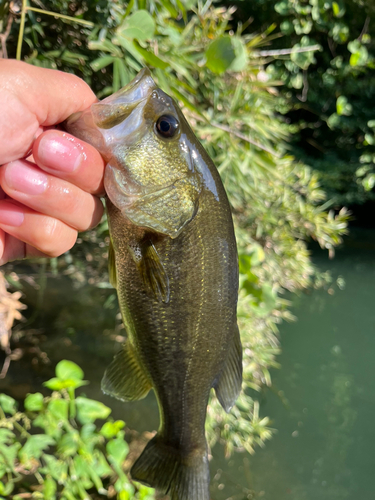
(217, 73)
(328, 94)
(54, 450)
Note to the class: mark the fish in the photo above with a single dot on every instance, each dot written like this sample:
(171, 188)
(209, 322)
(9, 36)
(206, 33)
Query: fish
(173, 261)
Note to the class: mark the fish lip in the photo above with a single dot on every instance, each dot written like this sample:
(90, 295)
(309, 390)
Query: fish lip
(116, 108)
(144, 73)
(138, 89)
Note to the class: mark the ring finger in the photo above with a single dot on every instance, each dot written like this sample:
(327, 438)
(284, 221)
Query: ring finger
(47, 234)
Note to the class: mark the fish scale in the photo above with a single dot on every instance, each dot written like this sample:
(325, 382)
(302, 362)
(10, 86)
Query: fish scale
(173, 260)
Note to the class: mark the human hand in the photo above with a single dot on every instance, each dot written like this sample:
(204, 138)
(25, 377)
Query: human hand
(48, 197)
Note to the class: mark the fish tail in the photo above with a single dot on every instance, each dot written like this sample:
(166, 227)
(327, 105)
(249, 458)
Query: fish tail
(181, 477)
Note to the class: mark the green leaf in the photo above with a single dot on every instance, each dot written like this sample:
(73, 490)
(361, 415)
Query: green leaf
(59, 408)
(185, 101)
(118, 449)
(34, 446)
(6, 489)
(56, 384)
(343, 107)
(282, 8)
(128, 46)
(49, 489)
(303, 59)
(359, 53)
(169, 7)
(9, 456)
(89, 410)
(101, 62)
(338, 8)
(102, 467)
(369, 182)
(269, 298)
(34, 402)
(220, 54)
(8, 404)
(66, 370)
(150, 58)
(111, 429)
(241, 60)
(105, 46)
(58, 469)
(6, 436)
(340, 32)
(68, 444)
(139, 26)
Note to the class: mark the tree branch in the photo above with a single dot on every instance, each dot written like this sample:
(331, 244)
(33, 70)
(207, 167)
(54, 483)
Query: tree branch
(245, 138)
(235, 133)
(364, 29)
(4, 36)
(284, 52)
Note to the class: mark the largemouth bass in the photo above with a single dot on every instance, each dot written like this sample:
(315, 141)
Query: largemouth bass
(173, 261)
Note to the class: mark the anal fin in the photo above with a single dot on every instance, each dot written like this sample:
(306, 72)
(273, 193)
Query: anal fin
(124, 378)
(228, 383)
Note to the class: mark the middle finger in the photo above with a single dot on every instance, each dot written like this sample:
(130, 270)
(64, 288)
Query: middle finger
(23, 181)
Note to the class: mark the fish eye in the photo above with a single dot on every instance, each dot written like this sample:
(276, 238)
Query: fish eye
(167, 126)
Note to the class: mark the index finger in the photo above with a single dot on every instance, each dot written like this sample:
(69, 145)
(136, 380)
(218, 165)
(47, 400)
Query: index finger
(71, 159)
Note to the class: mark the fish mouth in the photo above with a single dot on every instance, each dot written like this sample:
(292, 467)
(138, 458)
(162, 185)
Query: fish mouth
(116, 108)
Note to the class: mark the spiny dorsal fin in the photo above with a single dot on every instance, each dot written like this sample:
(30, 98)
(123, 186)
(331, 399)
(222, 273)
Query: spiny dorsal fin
(151, 269)
(228, 384)
(124, 378)
(112, 265)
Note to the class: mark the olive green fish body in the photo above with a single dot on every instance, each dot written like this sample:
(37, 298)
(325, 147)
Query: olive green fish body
(173, 261)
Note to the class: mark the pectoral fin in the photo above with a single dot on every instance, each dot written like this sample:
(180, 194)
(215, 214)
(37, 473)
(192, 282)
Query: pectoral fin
(124, 378)
(151, 269)
(167, 210)
(228, 384)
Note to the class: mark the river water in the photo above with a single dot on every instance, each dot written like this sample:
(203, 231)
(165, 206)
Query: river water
(322, 404)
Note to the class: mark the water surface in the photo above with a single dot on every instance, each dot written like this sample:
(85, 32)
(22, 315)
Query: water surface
(323, 401)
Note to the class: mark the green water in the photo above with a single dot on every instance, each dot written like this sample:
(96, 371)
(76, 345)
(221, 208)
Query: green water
(322, 404)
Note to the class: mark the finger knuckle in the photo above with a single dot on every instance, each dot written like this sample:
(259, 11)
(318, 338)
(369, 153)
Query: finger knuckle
(57, 238)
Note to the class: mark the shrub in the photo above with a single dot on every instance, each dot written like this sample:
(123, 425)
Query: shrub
(55, 450)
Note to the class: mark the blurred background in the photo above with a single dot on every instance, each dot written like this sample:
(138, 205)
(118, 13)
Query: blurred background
(281, 94)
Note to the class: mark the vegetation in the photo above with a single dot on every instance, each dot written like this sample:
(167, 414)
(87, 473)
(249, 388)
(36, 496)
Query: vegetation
(53, 449)
(231, 95)
(328, 94)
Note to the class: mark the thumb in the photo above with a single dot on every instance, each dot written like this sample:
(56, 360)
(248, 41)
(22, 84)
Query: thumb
(32, 98)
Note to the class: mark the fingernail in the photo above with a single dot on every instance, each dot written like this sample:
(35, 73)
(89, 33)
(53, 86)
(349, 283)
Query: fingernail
(25, 179)
(59, 152)
(10, 214)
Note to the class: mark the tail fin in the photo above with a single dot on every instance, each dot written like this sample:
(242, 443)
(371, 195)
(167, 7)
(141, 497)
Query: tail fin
(163, 468)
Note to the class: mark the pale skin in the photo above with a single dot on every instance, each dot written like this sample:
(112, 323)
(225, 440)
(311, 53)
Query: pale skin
(50, 181)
